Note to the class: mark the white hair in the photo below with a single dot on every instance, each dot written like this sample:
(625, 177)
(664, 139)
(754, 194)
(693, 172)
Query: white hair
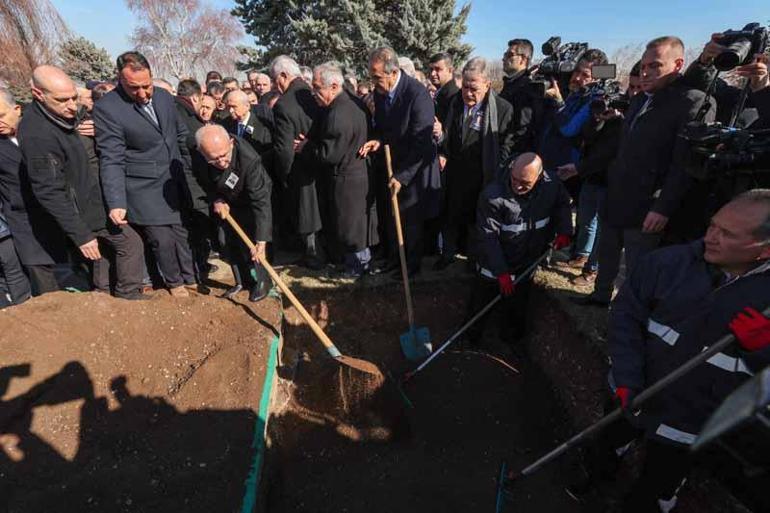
(477, 66)
(406, 64)
(329, 73)
(7, 97)
(208, 131)
(286, 65)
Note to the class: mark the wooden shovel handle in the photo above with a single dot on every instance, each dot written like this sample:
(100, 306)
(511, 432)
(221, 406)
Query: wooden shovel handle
(400, 237)
(325, 340)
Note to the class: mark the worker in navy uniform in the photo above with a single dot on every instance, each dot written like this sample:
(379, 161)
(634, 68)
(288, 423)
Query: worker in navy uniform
(518, 217)
(677, 302)
(242, 190)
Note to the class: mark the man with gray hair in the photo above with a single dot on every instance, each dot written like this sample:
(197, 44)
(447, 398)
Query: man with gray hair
(333, 143)
(478, 138)
(403, 119)
(677, 302)
(244, 123)
(260, 83)
(294, 114)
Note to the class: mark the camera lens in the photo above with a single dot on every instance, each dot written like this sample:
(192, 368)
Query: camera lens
(736, 54)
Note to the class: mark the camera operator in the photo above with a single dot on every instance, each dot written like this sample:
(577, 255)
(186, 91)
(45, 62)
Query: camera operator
(518, 91)
(647, 181)
(600, 138)
(565, 119)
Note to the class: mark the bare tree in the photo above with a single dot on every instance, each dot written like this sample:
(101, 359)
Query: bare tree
(30, 33)
(624, 59)
(185, 38)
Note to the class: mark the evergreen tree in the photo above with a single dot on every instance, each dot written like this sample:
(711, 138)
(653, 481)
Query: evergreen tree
(83, 60)
(345, 30)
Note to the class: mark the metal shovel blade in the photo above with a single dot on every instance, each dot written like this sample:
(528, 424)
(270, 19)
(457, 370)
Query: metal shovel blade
(415, 344)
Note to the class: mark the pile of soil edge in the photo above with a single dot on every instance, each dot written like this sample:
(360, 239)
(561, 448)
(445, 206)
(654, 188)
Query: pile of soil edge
(144, 406)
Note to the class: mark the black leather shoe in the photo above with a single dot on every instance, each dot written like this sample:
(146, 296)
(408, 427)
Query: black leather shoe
(442, 263)
(200, 288)
(232, 291)
(590, 300)
(259, 291)
(312, 262)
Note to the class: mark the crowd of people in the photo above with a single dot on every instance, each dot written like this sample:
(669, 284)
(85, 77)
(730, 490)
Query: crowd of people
(131, 183)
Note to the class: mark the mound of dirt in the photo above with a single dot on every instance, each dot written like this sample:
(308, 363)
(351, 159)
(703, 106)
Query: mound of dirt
(111, 405)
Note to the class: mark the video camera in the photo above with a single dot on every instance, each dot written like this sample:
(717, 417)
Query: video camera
(559, 63)
(716, 148)
(607, 92)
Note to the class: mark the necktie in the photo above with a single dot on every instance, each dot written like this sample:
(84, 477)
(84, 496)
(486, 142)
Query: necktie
(241, 128)
(150, 112)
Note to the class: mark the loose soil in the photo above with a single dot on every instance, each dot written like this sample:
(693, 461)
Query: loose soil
(130, 406)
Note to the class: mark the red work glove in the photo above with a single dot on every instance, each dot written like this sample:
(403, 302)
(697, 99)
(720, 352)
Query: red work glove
(625, 396)
(506, 284)
(562, 241)
(752, 329)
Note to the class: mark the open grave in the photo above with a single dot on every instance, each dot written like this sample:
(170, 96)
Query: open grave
(132, 406)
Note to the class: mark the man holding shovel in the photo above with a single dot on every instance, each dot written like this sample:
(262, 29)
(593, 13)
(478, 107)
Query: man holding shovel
(517, 218)
(676, 303)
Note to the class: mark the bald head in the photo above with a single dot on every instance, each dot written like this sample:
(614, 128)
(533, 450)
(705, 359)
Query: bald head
(215, 144)
(237, 102)
(526, 170)
(55, 91)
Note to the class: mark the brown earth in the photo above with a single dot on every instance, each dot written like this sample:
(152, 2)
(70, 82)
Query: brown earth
(135, 406)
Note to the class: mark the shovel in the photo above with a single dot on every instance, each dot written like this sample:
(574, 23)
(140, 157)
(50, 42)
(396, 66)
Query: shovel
(508, 479)
(354, 363)
(415, 343)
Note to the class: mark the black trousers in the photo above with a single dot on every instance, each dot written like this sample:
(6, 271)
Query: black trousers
(122, 260)
(199, 228)
(239, 258)
(515, 309)
(172, 252)
(42, 279)
(664, 468)
(14, 285)
(412, 227)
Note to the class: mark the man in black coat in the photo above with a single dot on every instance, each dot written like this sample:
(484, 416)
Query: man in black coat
(647, 180)
(38, 239)
(479, 137)
(403, 119)
(294, 114)
(196, 217)
(519, 91)
(334, 143)
(142, 146)
(244, 123)
(442, 78)
(242, 190)
(68, 188)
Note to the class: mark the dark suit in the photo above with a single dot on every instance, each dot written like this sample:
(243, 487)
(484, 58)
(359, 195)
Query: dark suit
(474, 151)
(443, 99)
(196, 219)
(294, 113)
(334, 143)
(143, 170)
(255, 132)
(407, 126)
(245, 187)
(528, 107)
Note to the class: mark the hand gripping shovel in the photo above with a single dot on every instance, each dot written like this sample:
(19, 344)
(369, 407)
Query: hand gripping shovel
(508, 479)
(529, 270)
(415, 343)
(354, 363)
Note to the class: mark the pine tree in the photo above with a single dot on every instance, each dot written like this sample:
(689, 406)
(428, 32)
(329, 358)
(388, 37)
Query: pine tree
(345, 30)
(83, 60)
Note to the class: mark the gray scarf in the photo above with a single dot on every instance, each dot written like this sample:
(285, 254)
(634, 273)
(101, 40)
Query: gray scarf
(490, 149)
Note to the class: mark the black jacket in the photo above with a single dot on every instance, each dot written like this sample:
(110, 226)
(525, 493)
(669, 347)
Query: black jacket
(474, 160)
(527, 111)
(200, 186)
(38, 239)
(333, 145)
(407, 126)
(294, 114)
(60, 174)
(672, 307)
(246, 187)
(144, 167)
(648, 173)
(256, 133)
(443, 99)
(601, 140)
(514, 230)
